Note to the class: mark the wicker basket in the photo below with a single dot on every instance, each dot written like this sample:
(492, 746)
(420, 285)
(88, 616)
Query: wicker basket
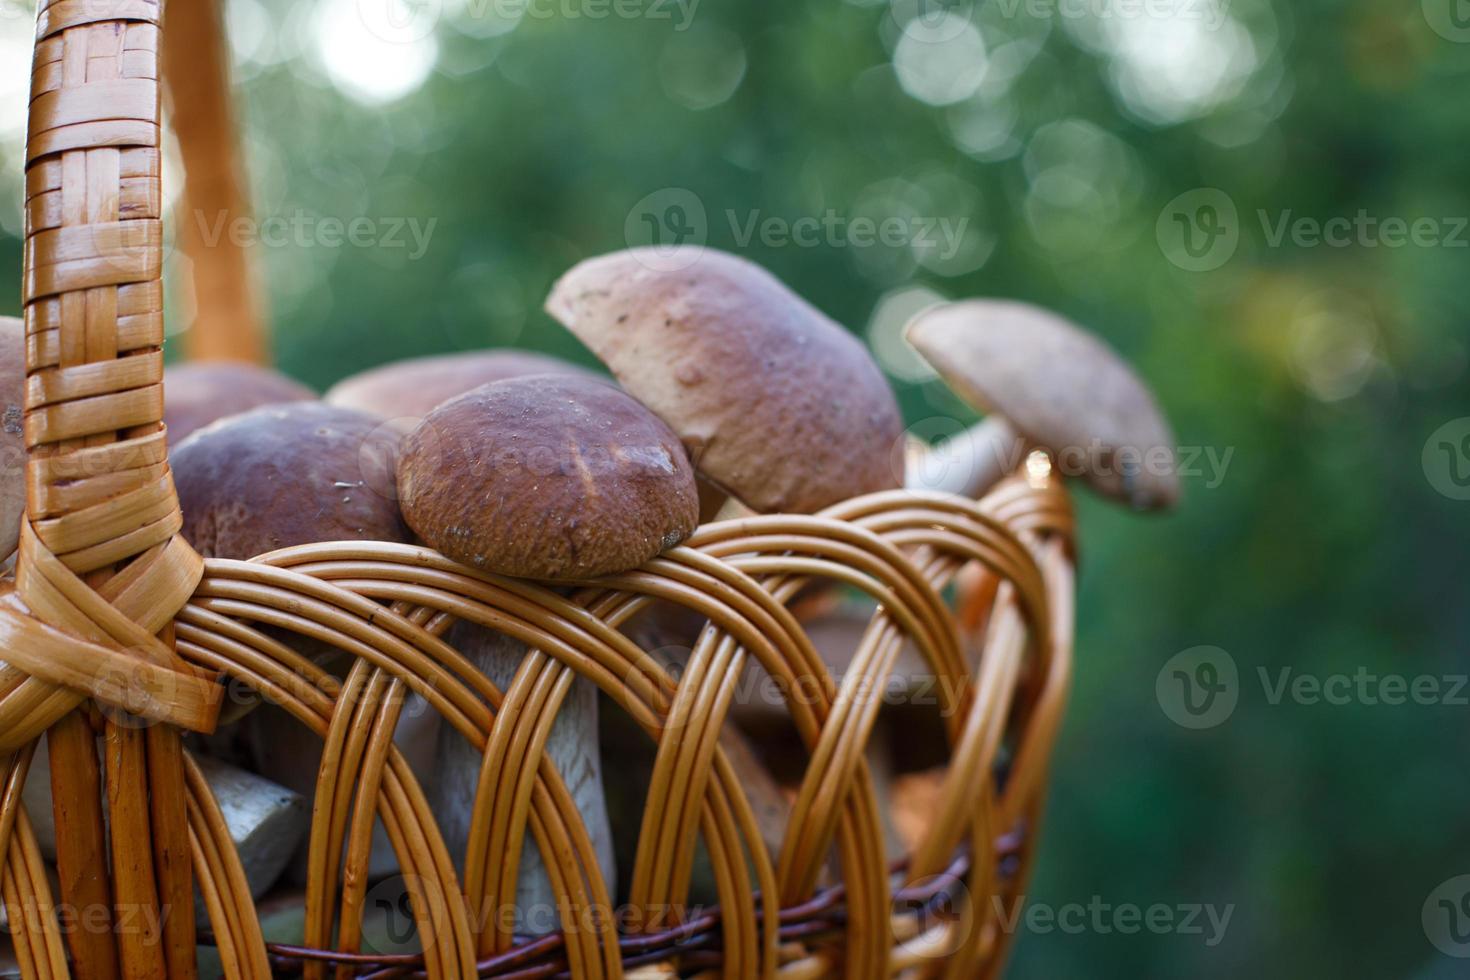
(114, 626)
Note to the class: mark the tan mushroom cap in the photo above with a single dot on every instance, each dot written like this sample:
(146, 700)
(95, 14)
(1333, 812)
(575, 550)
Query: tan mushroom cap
(12, 432)
(547, 477)
(415, 387)
(1061, 388)
(201, 392)
(778, 405)
(284, 475)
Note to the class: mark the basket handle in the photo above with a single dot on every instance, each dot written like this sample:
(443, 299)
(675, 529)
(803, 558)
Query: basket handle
(98, 489)
(196, 78)
(101, 559)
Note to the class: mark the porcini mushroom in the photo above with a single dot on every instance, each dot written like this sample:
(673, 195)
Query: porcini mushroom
(551, 477)
(270, 478)
(201, 392)
(547, 477)
(1060, 388)
(417, 386)
(12, 434)
(778, 405)
(283, 475)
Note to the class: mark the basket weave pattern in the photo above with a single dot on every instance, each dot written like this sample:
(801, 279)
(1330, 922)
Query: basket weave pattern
(116, 627)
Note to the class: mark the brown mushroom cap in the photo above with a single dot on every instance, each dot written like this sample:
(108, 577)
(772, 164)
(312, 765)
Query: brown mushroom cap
(284, 475)
(12, 431)
(415, 387)
(779, 405)
(547, 477)
(1061, 388)
(201, 392)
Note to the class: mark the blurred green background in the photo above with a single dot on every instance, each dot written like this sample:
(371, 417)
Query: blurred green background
(1052, 142)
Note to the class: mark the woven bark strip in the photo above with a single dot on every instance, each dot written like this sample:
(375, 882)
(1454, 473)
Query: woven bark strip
(115, 628)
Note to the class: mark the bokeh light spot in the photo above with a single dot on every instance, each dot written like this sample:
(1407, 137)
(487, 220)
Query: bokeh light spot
(702, 67)
(940, 61)
(367, 61)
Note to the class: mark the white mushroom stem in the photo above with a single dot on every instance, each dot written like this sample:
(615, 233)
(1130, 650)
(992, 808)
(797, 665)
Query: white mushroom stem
(970, 463)
(572, 748)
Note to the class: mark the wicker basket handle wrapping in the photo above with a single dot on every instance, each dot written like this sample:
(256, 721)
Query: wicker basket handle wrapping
(102, 569)
(100, 498)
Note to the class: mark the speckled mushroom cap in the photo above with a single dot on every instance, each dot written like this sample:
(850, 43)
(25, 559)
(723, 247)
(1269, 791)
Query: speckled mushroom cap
(415, 387)
(1061, 388)
(284, 475)
(547, 477)
(12, 432)
(777, 404)
(201, 392)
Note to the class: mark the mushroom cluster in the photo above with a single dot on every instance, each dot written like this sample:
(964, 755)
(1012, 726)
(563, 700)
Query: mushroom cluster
(726, 388)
